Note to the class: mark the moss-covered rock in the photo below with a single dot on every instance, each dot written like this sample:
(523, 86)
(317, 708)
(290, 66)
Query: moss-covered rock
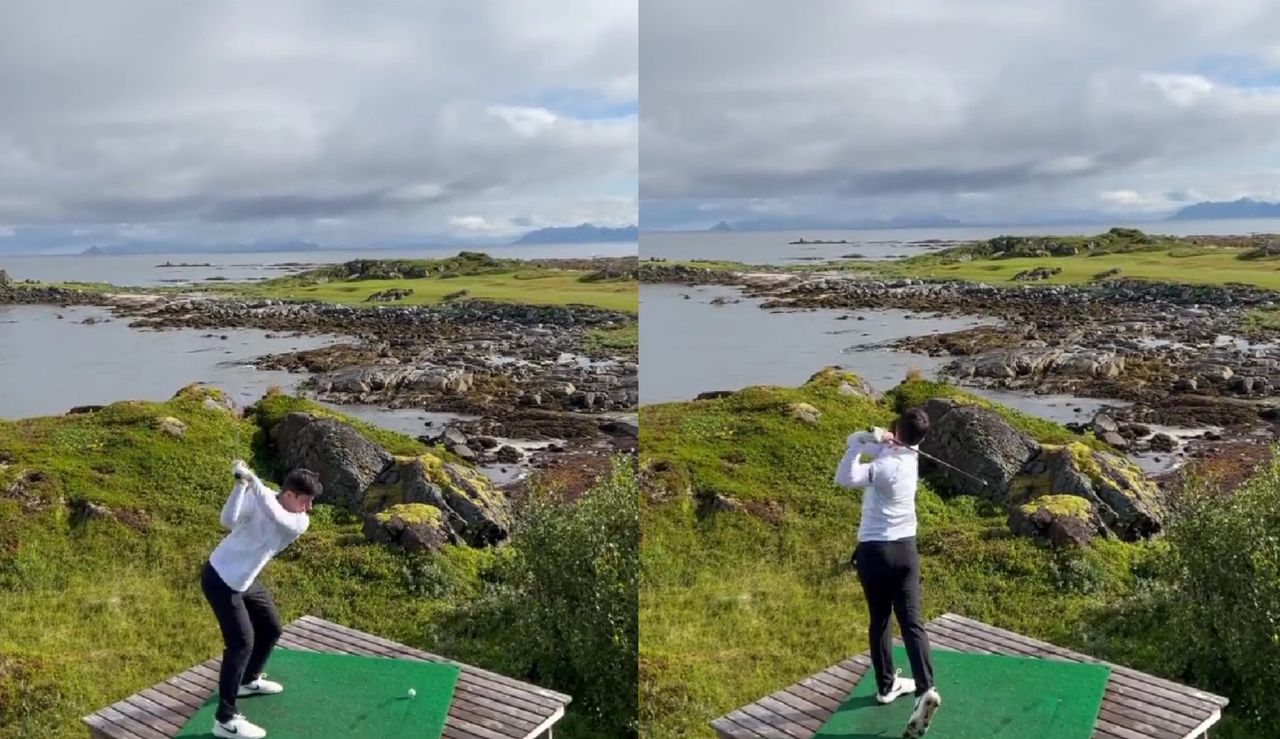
(472, 509)
(1128, 504)
(1064, 520)
(414, 526)
(804, 413)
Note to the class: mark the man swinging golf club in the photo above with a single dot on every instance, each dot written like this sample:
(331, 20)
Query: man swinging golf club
(886, 558)
(262, 524)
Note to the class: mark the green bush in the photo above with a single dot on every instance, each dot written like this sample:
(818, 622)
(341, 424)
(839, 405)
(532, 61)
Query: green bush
(1224, 573)
(568, 599)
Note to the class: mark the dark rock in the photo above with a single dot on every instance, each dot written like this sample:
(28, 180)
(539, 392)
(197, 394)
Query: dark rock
(1163, 443)
(345, 460)
(508, 454)
(979, 442)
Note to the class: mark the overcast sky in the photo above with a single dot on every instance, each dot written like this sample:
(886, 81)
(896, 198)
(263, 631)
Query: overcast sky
(982, 110)
(332, 121)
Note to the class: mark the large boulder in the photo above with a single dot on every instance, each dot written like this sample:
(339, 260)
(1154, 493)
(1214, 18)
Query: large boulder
(345, 460)
(472, 509)
(1126, 502)
(977, 441)
(845, 382)
(414, 526)
(1065, 520)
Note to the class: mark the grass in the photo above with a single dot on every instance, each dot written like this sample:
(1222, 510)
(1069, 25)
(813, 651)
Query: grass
(432, 281)
(1217, 267)
(618, 338)
(97, 609)
(736, 605)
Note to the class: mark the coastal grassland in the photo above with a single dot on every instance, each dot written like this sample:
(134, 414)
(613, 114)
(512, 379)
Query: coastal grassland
(100, 605)
(1122, 253)
(744, 586)
(736, 604)
(433, 281)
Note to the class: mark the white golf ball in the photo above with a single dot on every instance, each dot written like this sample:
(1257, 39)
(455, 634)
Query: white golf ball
(412, 692)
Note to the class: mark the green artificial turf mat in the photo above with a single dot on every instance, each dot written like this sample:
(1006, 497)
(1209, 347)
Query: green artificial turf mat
(339, 695)
(983, 697)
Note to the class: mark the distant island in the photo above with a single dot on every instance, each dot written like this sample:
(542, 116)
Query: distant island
(583, 234)
(818, 241)
(161, 248)
(798, 224)
(1242, 208)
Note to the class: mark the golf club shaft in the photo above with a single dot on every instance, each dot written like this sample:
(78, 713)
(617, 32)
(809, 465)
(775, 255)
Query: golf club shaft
(949, 466)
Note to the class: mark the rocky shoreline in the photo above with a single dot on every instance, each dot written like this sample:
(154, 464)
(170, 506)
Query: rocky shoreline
(1168, 355)
(518, 371)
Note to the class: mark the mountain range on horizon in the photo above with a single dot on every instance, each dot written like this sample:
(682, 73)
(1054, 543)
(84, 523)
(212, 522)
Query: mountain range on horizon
(581, 234)
(1241, 208)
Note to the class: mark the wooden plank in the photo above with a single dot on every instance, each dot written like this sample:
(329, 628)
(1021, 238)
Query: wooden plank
(792, 714)
(137, 728)
(780, 723)
(101, 725)
(756, 726)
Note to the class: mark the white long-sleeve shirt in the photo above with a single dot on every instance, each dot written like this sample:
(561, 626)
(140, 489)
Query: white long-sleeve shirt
(889, 487)
(260, 529)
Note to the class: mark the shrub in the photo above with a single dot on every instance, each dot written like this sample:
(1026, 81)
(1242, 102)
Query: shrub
(1225, 577)
(566, 599)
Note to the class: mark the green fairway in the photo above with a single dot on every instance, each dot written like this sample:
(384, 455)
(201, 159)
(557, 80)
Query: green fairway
(1201, 266)
(534, 287)
(373, 698)
(984, 696)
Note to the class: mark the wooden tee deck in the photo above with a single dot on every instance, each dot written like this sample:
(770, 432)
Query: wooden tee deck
(485, 705)
(1135, 705)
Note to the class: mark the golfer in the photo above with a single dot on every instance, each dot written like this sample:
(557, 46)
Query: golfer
(262, 524)
(886, 558)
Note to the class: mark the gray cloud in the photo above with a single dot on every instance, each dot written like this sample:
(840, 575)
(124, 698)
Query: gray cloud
(249, 120)
(973, 108)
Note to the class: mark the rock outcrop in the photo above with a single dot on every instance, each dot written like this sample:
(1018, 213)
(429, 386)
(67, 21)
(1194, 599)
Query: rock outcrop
(979, 442)
(1065, 520)
(345, 460)
(470, 508)
(414, 526)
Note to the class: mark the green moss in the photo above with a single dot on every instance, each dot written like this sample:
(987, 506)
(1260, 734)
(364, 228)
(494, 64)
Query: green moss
(412, 513)
(1060, 505)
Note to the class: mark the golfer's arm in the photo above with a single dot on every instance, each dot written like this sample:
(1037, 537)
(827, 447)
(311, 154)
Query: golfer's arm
(294, 522)
(853, 473)
(233, 509)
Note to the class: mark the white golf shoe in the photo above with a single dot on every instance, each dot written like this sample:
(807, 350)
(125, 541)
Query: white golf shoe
(922, 715)
(901, 686)
(237, 728)
(259, 687)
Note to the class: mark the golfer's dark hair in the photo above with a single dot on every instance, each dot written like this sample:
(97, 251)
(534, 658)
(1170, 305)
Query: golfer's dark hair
(303, 482)
(912, 426)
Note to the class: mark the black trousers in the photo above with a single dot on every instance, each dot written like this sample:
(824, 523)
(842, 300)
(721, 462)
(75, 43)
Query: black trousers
(250, 629)
(890, 575)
